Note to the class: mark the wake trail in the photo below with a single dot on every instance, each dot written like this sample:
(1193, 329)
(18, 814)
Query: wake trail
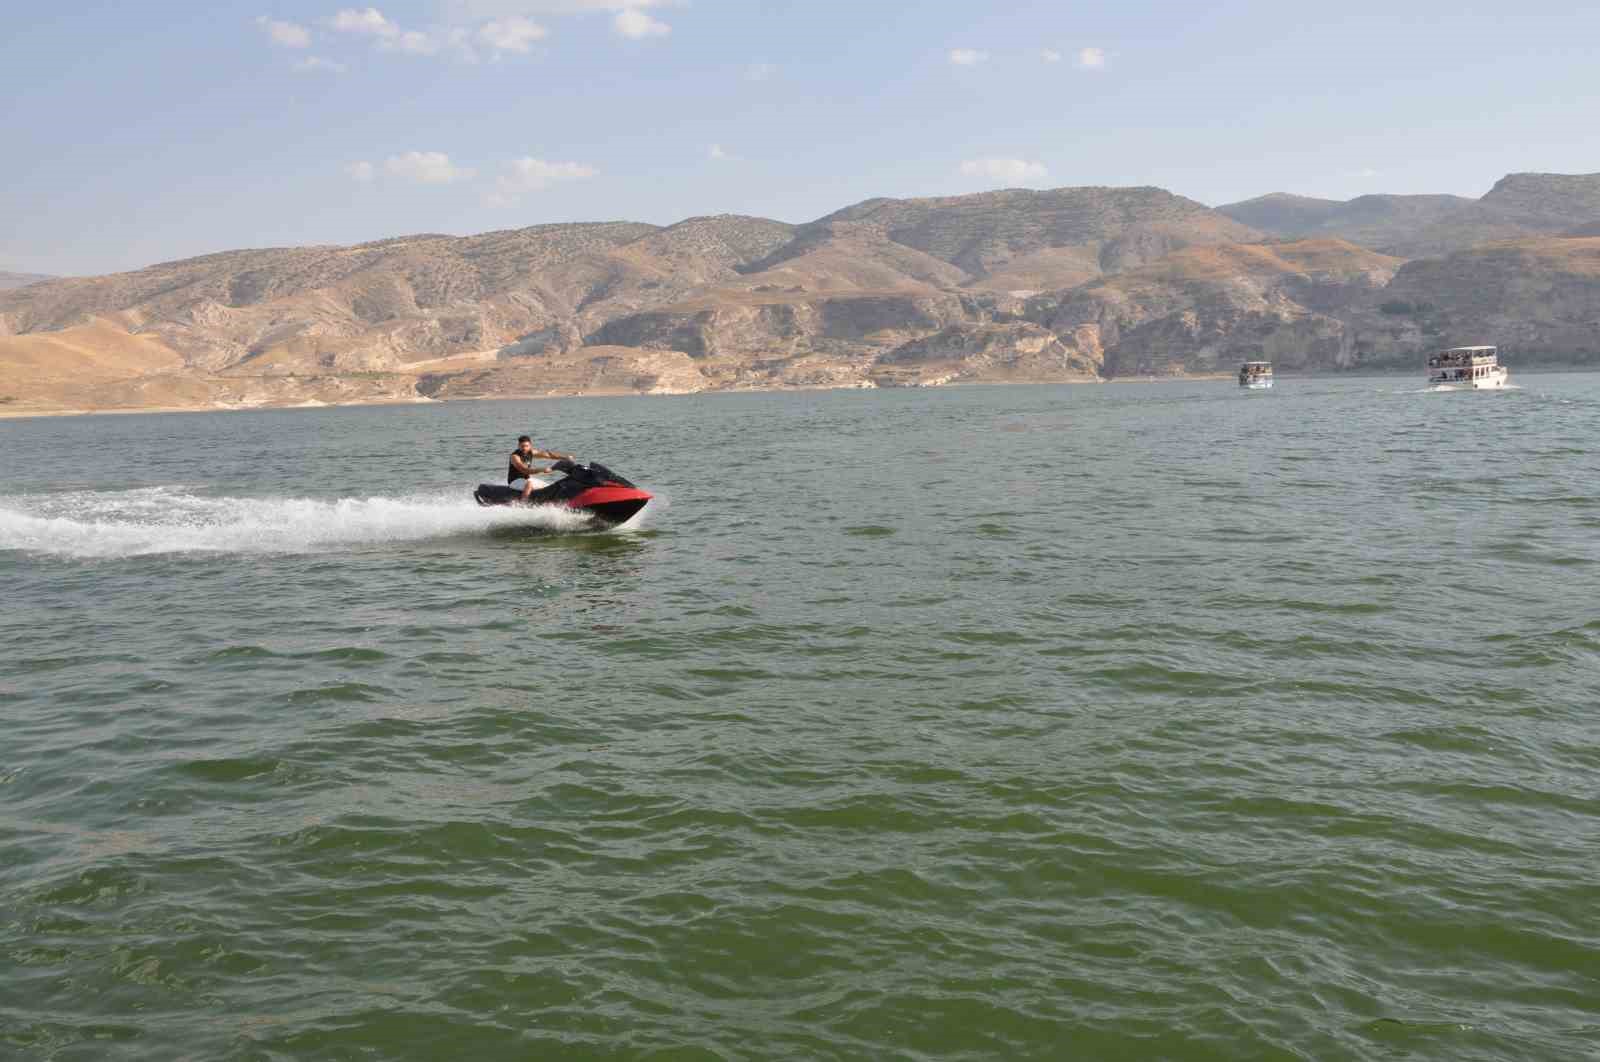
(159, 520)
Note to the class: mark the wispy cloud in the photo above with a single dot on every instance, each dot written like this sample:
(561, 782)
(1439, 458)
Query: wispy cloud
(967, 56)
(426, 167)
(630, 19)
(718, 154)
(534, 175)
(508, 29)
(759, 71)
(316, 62)
(413, 42)
(361, 172)
(633, 23)
(471, 10)
(1050, 55)
(1366, 174)
(285, 34)
(513, 34)
(1004, 171)
(370, 22)
(1092, 58)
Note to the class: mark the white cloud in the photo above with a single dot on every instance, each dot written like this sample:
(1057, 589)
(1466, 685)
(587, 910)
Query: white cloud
(967, 56)
(368, 21)
(513, 34)
(1364, 174)
(426, 167)
(759, 71)
(1092, 58)
(634, 24)
(285, 34)
(412, 42)
(1004, 171)
(473, 10)
(316, 62)
(534, 175)
(719, 154)
(629, 18)
(360, 171)
(1050, 55)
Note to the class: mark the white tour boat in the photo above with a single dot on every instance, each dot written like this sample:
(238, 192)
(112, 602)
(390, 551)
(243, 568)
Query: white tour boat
(1256, 375)
(1468, 368)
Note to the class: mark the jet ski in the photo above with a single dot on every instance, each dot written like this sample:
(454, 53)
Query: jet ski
(592, 488)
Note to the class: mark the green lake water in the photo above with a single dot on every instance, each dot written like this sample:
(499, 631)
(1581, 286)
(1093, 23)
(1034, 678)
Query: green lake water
(1152, 721)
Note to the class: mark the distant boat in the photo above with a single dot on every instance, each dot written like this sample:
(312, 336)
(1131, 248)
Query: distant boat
(1256, 375)
(1467, 368)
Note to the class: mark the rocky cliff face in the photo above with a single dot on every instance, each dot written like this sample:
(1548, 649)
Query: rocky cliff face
(1206, 310)
(1537, 299)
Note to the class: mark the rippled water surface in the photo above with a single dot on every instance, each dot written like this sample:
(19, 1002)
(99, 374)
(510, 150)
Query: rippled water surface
(1127, 721)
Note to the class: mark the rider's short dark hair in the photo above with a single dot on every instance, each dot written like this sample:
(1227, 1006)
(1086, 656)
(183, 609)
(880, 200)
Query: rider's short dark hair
(522, 439)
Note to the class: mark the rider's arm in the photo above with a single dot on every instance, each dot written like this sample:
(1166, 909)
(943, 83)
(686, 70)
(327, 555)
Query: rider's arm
(521, 465)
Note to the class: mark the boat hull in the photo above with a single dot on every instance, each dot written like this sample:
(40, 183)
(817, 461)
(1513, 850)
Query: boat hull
(1495, 381)
(595, 490)
(1257, 385)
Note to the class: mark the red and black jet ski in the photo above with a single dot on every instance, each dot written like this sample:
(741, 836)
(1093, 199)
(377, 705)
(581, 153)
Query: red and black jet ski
(593, 489)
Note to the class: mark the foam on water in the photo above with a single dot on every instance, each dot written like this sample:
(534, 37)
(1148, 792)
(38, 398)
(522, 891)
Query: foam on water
(176, 520)
(1450, 389)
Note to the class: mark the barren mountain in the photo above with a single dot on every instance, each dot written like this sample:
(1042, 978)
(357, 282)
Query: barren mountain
(1378, 221)
(384, 306)
(1548, 202)
(1537, 298)
(759, 302)
(1207, 309)
(1046, 239)
(1070, 284)
(1415, 226)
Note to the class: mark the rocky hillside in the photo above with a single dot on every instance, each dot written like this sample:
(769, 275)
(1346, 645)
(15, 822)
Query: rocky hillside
(1070, 284)
(1538, 299)
(1376, 221)
(1416, 226)
(1204, 310)
(384, 305)
(1026, 239)
(755, 302)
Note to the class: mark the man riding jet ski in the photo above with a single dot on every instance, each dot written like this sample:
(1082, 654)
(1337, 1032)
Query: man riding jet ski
(593, 489)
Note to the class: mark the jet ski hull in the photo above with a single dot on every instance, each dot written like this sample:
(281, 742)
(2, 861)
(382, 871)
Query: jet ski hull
(606, 496)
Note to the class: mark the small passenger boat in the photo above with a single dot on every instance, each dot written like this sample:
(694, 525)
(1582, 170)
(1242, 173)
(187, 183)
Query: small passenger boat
(1467, 368)
(1255, 375)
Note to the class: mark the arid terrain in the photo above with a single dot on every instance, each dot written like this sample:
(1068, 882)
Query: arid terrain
(1073, 284)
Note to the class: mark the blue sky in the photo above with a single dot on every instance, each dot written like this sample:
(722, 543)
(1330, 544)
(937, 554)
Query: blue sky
(137, 133)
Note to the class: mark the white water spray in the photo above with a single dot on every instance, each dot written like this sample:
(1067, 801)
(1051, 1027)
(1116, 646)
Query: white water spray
(174, 520)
